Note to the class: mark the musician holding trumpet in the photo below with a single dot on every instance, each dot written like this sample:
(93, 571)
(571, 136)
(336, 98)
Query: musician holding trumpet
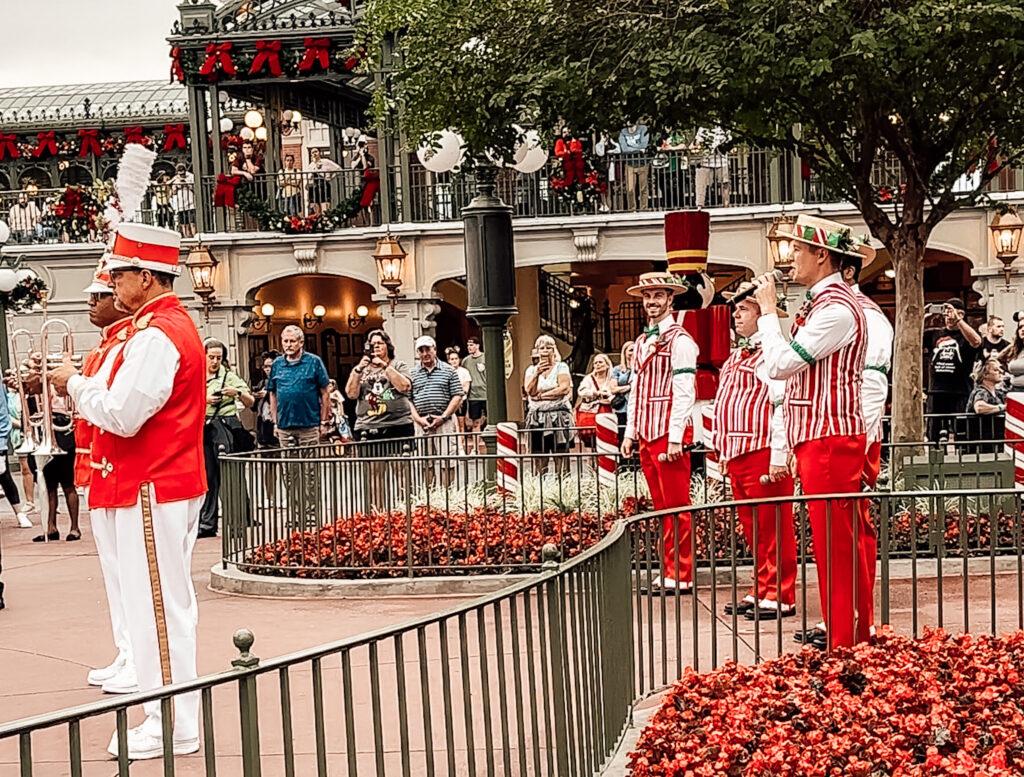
(148, 475)
(749, 435)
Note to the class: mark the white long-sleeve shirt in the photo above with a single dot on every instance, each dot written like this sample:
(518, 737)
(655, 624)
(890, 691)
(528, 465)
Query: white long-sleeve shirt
(877, 361)
(140, 388)
(683, 359)
(830, 329)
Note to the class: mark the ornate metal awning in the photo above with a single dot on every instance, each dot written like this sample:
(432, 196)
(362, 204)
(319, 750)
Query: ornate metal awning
(66, 106)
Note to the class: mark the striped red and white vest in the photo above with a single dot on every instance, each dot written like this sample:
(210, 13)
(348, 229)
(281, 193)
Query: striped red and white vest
(743, 409)
(654, 383)
(825, 399)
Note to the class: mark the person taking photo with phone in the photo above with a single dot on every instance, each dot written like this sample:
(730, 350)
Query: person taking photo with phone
(381, 386)
(953, 352)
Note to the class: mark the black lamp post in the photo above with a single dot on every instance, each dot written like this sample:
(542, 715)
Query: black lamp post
(490, 282)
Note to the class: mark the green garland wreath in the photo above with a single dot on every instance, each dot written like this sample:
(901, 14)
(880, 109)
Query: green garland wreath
(22, 297)
(269, 218)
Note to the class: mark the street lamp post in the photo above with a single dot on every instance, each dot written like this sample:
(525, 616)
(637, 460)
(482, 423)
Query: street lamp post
(490, 283)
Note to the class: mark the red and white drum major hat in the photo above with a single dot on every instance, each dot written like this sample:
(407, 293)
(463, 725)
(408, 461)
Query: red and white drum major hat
(145, 247)
(100, 279)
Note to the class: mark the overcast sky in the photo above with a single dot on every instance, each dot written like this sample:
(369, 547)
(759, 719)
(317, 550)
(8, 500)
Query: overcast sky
(83, 41)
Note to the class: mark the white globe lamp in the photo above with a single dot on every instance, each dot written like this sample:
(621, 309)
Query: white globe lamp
(8, 279)
(226, 125)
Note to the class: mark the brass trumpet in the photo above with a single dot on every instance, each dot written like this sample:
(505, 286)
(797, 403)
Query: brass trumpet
(38, 429)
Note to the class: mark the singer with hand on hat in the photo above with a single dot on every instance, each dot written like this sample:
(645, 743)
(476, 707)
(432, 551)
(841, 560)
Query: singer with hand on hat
(148, 473)
(823, 366)
(661, 403)
(749, 435)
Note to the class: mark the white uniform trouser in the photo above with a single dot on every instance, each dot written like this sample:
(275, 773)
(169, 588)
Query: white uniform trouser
(174, 528)
(104, 534)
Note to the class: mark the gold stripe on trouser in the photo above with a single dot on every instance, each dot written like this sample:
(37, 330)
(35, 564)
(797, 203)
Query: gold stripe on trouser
(154, 581)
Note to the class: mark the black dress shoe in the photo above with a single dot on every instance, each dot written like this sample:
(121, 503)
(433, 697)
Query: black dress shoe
(2, 605)
(204, 533)
(771, 613)
(814, 637)
(744, 606)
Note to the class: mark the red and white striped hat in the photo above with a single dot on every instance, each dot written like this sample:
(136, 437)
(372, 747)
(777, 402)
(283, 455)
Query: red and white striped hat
(100, 279)
(144, 247)
(826, 233)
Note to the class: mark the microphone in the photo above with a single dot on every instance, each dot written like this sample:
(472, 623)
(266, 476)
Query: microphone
(779, 278)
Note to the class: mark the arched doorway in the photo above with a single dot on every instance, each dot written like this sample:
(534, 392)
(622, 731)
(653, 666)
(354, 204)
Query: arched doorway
(35, 177)
(338, 338)
(76, 175)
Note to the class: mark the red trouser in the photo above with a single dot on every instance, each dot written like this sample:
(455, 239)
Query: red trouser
(776, 553)
(872, 466)
(834, 465)
(669, 484)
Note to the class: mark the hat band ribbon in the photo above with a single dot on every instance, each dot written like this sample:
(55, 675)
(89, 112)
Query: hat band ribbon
(687, 253)
(821, 237)
(145, 252)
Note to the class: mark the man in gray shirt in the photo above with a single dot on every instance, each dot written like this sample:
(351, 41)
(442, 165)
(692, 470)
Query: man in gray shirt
(633, 140)
(476, 411)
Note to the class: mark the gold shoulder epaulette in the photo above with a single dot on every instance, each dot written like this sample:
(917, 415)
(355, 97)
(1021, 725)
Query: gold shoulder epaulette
(143, 321)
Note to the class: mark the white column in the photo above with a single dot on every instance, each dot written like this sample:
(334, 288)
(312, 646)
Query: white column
(412, 317)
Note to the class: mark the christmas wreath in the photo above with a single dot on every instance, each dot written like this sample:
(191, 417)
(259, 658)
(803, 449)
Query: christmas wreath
(79, 212)
(575, 179)
(29, 291)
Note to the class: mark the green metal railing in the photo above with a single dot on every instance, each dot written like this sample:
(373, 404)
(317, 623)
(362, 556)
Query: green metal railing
(540, 678)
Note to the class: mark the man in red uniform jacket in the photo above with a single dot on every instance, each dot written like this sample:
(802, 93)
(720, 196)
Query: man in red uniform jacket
(148, 472)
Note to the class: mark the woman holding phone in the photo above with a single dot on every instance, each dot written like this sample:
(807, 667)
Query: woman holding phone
(548, 387)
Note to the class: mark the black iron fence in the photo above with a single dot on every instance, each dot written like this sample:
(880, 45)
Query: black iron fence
(541, 678)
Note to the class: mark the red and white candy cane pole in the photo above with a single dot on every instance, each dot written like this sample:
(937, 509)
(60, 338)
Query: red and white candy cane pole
(607, 433)
(508, 457)
(1015, 434)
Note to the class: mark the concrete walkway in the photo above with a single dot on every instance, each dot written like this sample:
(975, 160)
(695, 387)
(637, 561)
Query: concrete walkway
(55, 628)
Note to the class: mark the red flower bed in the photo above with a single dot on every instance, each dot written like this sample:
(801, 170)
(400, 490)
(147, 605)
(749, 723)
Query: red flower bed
(440, 542)
(907, 708)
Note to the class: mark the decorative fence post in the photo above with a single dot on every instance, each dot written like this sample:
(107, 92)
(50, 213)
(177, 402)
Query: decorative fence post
(508, 457)
(607, 433)
(248, 706)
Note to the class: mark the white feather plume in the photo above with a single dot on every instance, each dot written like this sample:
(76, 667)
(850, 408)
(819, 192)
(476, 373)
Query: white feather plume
(133, 177)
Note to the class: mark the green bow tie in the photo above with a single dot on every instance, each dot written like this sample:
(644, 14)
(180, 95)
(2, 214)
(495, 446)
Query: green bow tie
(743, 342)
(810, 297)
(652, 331)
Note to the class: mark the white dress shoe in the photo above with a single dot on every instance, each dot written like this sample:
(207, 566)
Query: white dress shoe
(23, 521)
(143, 745)
(668, 584)
(100, 676)
(125, 681)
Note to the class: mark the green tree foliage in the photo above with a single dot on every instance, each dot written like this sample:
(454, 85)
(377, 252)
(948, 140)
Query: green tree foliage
(936, 85)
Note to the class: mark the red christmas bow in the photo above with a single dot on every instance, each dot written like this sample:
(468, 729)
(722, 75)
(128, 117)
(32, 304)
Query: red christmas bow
(218, 58)
(224, 195)
(268, 52)
(177, 71)
(174, 137)
(90, 144)
(352, 61)
(9, 147)
(134, 135)
(316, 51)
(47, 144)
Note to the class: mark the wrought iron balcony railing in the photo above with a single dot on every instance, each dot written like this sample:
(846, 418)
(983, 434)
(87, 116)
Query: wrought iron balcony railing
(745, 177)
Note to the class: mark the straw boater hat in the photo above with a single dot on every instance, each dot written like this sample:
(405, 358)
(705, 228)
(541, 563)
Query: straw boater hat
(144, 247)
(100, 279)
(829, 234)
(649, 281)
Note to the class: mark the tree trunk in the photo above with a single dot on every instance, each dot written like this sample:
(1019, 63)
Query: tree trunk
(907, 253)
